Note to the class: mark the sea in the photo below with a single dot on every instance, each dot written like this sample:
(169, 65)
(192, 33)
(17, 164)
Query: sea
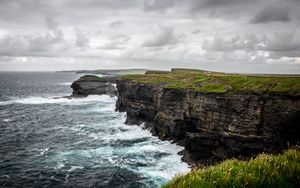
(49, 141)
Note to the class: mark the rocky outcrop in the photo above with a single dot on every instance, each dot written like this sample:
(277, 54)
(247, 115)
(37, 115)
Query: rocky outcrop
(212, 126)
(84, 87)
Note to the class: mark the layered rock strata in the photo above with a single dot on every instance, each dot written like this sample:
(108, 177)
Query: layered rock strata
(83, 87)
(213, 126)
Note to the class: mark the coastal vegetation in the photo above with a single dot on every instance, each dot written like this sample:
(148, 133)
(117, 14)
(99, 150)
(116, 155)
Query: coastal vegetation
(266, 170)
(215, 82)
(91, 78)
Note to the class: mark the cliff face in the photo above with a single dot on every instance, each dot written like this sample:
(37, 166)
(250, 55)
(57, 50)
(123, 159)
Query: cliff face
(213, 126)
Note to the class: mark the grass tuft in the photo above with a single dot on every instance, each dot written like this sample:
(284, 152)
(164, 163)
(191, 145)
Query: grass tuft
(266, 170)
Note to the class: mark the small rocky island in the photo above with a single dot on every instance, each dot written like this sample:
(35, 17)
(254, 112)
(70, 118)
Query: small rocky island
(93, 85)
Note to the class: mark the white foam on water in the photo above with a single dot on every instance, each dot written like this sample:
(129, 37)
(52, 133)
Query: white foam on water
(74, 168)
(161, 158)
(110, 108)
(77, 128)
(43, 151)
(3, 103)
(41, 100)
(132, 132)
(167, 166)
(6, 120)
(104, 107)
(97, 152)
(5, 176)
(93, 136)
(53, 100)
(59, 166)
(65, 83)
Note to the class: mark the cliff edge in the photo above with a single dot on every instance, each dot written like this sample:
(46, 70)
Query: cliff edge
(215, 116)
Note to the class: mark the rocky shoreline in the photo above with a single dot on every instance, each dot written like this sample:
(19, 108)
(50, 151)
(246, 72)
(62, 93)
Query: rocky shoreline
(213, 126)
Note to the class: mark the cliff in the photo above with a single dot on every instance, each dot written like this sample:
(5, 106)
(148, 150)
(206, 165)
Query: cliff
(93, 85)
(218, 120)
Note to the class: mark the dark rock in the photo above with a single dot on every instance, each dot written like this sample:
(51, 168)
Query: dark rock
(93, 87)
(213, 127)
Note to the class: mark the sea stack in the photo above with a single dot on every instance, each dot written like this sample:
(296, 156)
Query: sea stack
(93, 85)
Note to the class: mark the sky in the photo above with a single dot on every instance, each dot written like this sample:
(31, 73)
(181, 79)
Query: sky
(247, 36)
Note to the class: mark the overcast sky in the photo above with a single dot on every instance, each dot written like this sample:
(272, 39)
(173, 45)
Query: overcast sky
(224, 35)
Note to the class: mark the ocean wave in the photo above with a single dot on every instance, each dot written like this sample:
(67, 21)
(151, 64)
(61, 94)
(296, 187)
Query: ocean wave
(65, 83)
(43, 151)
(52, 100)
(3, 103)
(6, 120)
(72, 168)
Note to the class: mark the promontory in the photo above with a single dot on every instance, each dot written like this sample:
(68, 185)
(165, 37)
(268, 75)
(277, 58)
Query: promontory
(215, 116)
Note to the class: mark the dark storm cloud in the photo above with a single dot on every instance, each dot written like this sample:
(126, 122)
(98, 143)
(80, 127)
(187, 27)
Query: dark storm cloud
(28, 11)
(219, 3)
(23, 10)
(192, 5)
(158, 5)
(116, 24)
(26, 45)
(272, 13)
(165, 37)
(103, 4)
(283, 42)
(51, 23)
(35, 44)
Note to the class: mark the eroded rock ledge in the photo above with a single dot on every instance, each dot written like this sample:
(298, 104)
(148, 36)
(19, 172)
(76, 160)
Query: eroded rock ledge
(213, 126)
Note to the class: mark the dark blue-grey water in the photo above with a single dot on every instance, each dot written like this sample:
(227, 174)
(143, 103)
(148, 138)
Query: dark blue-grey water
(46, 142)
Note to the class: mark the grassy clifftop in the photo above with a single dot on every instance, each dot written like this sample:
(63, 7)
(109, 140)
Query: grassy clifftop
(214, 82)
(264, 171)
(91, 78)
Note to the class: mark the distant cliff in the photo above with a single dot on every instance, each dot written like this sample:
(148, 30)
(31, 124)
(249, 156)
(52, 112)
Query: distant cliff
(212, 115)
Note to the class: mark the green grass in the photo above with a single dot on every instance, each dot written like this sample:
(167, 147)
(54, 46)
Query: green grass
(220, 82)
(91, 78)
(264, 171)
(214, 88)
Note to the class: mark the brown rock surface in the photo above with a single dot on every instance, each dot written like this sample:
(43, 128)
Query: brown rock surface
(213, 126)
